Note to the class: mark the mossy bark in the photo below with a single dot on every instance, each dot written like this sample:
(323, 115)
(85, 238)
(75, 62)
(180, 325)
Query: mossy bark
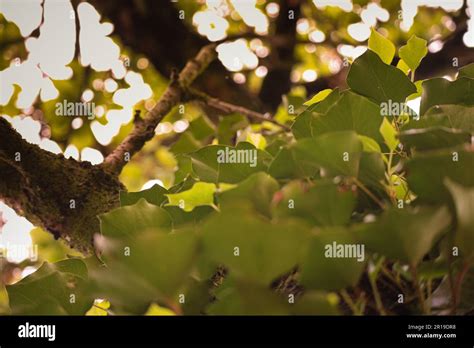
(60, 195)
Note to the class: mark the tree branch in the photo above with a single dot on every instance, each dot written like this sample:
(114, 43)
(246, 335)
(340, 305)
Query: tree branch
(277, 82)
(229, 108)
(144, 130)
(60, 195)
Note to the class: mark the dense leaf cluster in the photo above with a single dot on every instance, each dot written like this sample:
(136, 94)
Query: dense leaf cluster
(231, 238)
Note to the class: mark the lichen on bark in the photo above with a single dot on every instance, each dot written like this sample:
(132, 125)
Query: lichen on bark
(61, 195)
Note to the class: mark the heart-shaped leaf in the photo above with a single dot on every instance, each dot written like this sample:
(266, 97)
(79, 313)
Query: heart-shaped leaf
(404, 234)
(371, 77)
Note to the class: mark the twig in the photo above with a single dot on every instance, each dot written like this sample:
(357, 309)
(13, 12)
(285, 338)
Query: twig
(348, 300)
(375, 290)
(458, 286)
(229, 108)
(368, 193)
(419, 290)
(144, 131)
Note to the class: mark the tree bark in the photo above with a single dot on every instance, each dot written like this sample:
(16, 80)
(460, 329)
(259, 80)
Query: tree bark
(277, 82)
(60, 195)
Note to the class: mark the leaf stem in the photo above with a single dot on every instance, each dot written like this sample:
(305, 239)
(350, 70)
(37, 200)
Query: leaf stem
(370, 194)
(419, 290)
(347, 299)
(458, 285)
(377, 297)
(390, 183)
(375, 290)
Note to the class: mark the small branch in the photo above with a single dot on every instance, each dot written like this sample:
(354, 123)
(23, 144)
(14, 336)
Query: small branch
(419, 290)
(144, 131)
(458, 286)
(368, 193)
(229, 108)
(348, 300)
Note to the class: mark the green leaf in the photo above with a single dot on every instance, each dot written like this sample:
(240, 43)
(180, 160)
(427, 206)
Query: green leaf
(197, 296)
(419, 90)
(464, 201)
(258, 190)
(4, 306)
(285, 166)
(321, 95)
(433, 138)
(403, 66)
(405, 234)
(228, 127)
(184, 169)
(351, 112)
(201, 128)
(185, 144)
(301, 128)
(325, 204)
(382, 46)
(186, 219)
(449, 116)
(155, 264)
(371, 169)
(257, 140)
(247, 298)
(128, 221)
(49, 290)
(99, 308)
(206, 164)
(467, 71)
(200, 194)
(251, 247)
(427, 171)
(371, 77)
(154, 195)
(184, 185)
(369, 144)
(439, 91)
(329, 152)
(413, 52)
(323, 268)
(156, 310)
(389, 134)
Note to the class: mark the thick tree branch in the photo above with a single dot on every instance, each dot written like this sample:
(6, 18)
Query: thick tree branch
(60, 195)
(144, 130)
(278, 82)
